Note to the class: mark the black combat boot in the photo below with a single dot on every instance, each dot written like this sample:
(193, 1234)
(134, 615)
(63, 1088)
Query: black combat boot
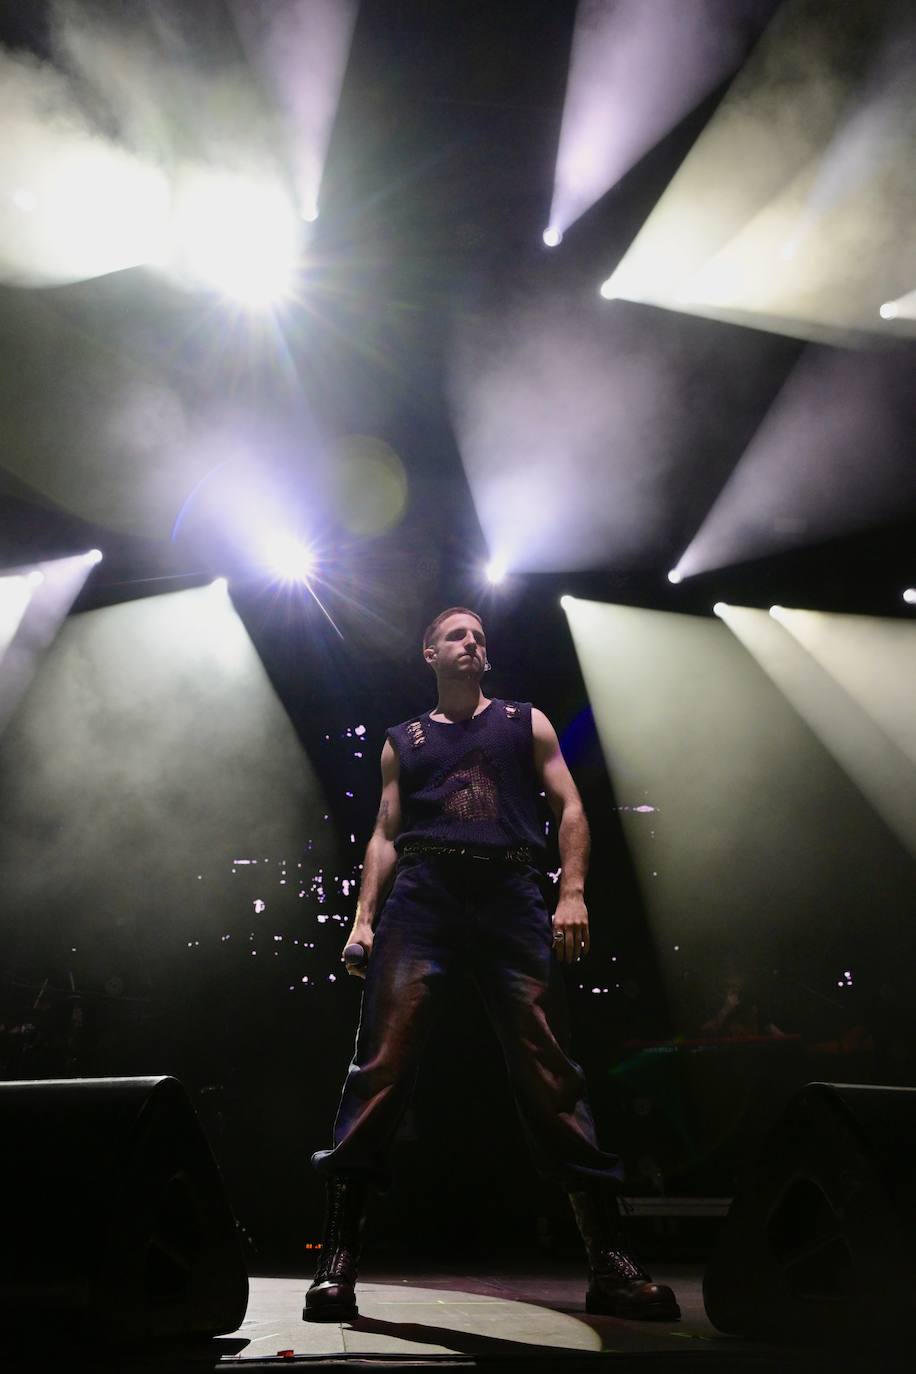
(331, 1297)
(617, 1285)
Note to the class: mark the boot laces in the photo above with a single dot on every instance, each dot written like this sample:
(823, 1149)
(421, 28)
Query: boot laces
(338, 1262)
(335, 1266)
(618, 1264)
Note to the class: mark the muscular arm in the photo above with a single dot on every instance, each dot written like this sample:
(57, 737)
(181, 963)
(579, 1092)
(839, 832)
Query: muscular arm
(573, 838)
(381, 857)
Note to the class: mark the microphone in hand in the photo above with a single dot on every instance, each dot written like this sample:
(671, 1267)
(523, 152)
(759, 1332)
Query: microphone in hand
(356, 957)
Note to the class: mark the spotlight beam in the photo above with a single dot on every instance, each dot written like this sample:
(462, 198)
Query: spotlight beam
(635, 71)
(43, 614)
(879, 769)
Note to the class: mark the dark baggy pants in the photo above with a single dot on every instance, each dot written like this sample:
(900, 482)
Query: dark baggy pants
(444, 915)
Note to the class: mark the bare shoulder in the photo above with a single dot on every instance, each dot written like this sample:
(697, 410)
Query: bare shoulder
(541, 728)
(391, 764)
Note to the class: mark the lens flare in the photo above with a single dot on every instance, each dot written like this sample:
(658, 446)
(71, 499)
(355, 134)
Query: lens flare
(235, 236)
(291, 560)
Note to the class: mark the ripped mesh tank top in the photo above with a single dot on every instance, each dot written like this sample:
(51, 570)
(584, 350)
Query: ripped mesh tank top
(472, 781)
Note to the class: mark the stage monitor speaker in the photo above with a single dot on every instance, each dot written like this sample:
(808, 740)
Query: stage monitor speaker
(115, 1223)
(819, 1247)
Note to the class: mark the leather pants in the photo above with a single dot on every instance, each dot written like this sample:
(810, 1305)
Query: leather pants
(446, 915)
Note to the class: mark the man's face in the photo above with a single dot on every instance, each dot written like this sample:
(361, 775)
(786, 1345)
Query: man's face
(460, 648)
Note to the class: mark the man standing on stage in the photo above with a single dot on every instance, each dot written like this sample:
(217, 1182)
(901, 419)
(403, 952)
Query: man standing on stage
(449, 882)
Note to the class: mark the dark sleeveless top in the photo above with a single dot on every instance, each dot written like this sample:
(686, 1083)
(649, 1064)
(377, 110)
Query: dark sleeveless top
(470, 782)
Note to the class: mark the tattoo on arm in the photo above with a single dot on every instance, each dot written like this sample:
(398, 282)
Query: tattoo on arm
(383, 812)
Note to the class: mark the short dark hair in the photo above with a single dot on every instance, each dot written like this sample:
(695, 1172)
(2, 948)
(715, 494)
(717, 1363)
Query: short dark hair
(429, 634)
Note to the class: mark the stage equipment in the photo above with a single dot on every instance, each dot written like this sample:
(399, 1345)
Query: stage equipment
(115, 1220)
(820, 1243)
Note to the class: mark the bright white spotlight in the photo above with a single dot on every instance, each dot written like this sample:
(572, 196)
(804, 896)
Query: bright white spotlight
(675, 575)
(219, 584)
(720, 608)
(566, 601)
(93, 556)
(496, 571)
(889, 310)
(776, 612)
(553, 237)
(909, 596)
(35, 577)
(236, 236)
(607, 289)
(14, 597)
(291, 561)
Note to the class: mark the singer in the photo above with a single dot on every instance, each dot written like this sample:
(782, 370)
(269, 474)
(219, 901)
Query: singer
(452, 879)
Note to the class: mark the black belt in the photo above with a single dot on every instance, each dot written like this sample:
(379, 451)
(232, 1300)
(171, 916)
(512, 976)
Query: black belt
(520, 854)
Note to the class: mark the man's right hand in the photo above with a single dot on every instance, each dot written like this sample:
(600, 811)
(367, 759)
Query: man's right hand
(361, 934)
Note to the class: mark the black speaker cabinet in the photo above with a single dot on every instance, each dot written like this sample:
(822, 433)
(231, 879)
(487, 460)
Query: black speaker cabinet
(114, 1222)
(820, 1245)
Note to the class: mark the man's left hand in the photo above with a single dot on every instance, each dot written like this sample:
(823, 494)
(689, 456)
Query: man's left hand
(570, 930)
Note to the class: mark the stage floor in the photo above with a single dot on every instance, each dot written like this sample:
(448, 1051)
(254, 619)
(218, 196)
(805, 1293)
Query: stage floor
(523, 1316)
(492, 1313)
